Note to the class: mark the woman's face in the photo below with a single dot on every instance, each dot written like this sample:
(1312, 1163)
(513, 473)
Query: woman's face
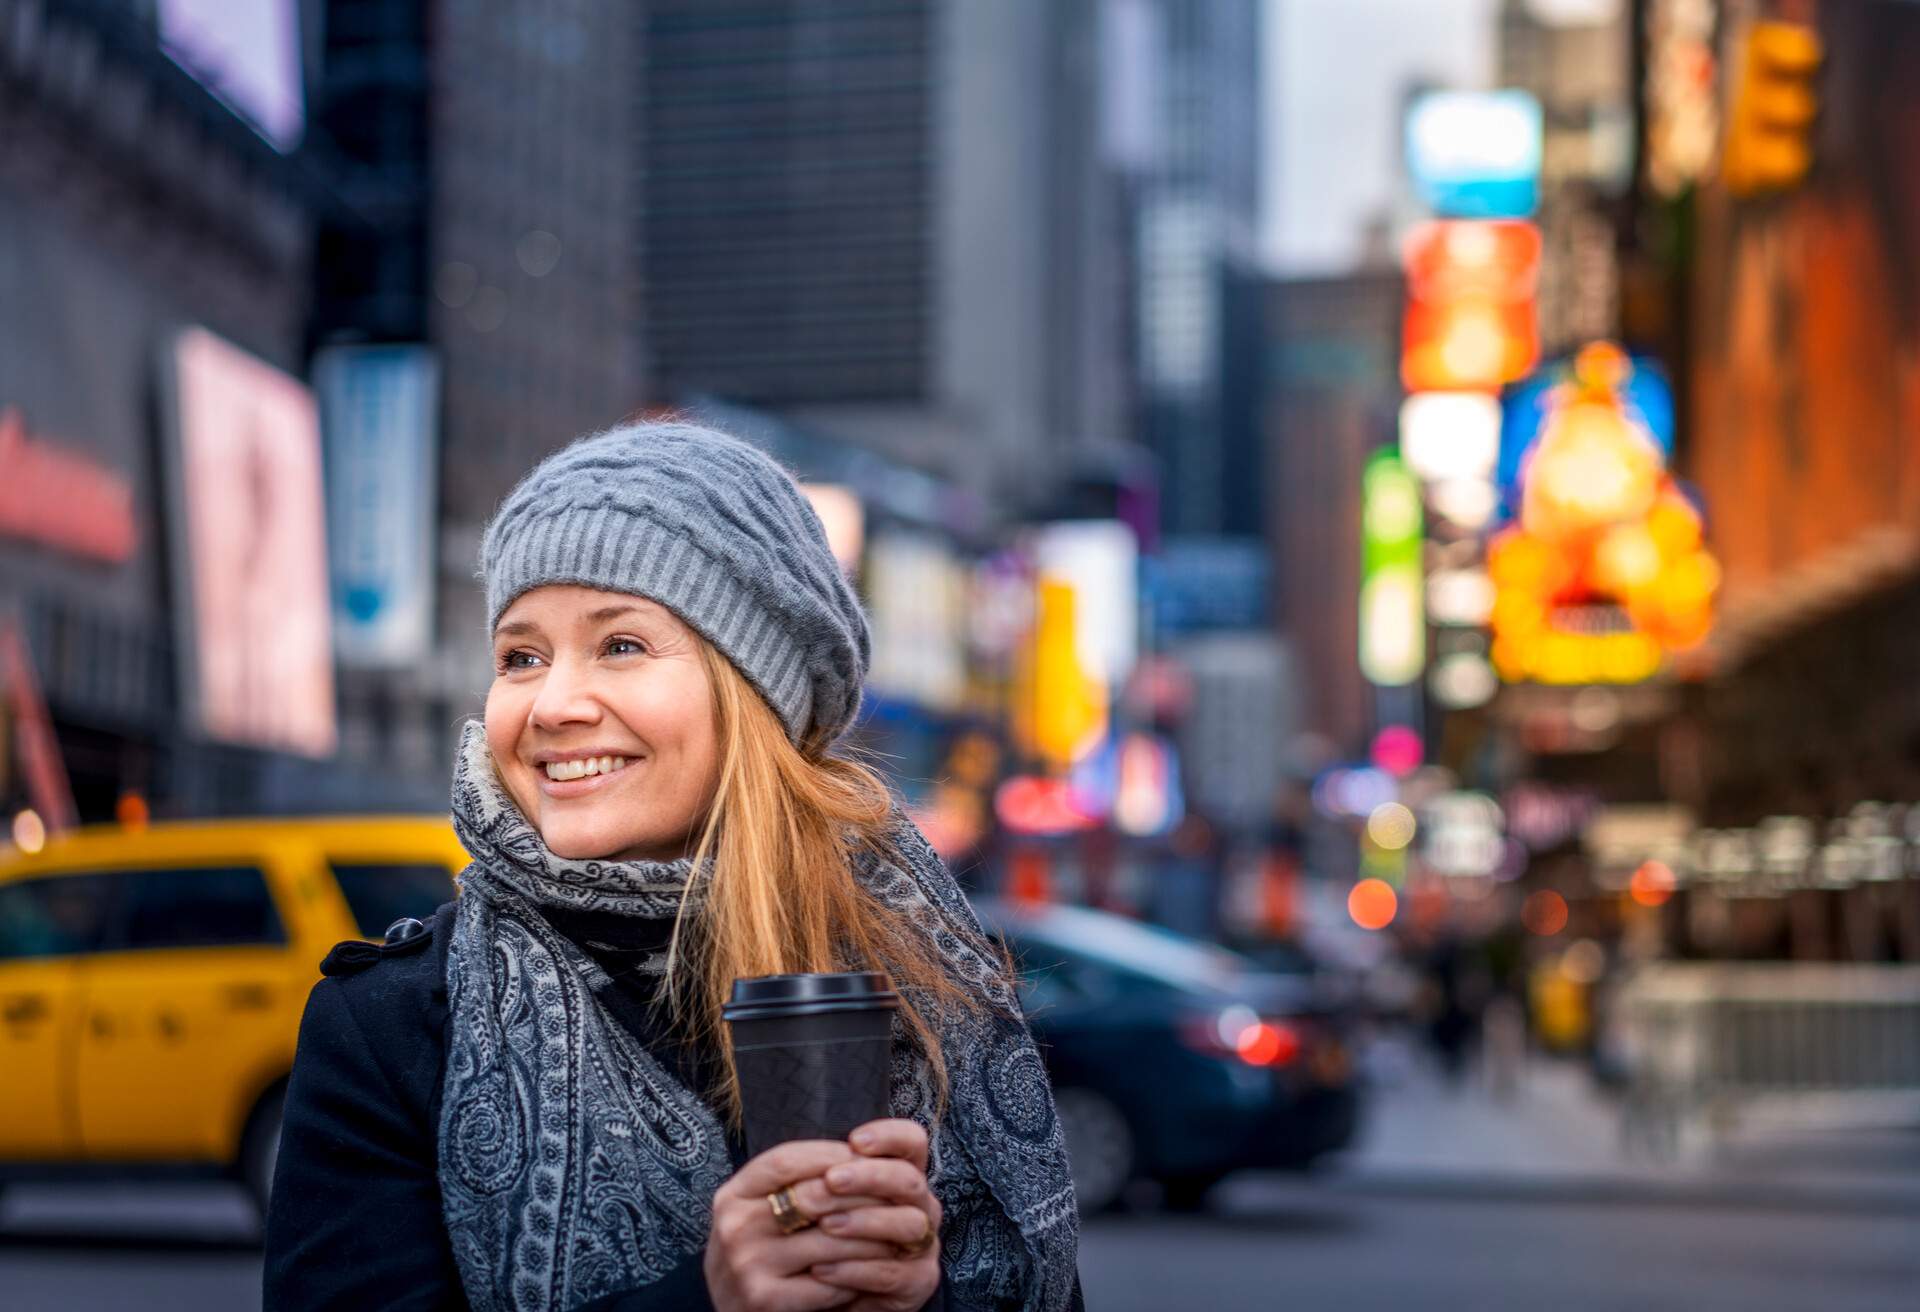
(585, 680)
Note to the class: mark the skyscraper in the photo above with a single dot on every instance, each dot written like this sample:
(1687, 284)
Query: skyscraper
(891, 224)
(487, 149)
(1199, 200)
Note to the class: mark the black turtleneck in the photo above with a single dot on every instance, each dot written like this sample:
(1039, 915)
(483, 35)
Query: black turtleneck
(633, 954)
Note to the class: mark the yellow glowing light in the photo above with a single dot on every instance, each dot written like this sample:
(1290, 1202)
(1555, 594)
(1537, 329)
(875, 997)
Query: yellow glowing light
(1373, 904)
(1511, 658)
(1474, 345)
(1518, 613)
(1674, 525)
(1391, 826)
(29, 831)
(1593, 467)
(1628, 657)
(1627, 558)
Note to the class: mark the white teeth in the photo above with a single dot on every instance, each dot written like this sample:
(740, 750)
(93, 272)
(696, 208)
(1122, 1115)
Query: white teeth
(561, 771)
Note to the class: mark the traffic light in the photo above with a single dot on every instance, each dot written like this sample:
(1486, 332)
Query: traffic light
(1768, 144)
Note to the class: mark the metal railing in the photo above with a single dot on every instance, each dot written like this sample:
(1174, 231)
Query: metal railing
(1715, 1048)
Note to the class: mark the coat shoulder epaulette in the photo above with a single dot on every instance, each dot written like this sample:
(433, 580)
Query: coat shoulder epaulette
(404, 937)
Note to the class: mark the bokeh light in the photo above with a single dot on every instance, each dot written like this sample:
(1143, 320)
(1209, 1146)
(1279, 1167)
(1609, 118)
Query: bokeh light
(1584, 961)
(1544, 913)
(1652, 884)
(1373, 904)
(1267, 1044)
(29, 831)
(1391, 826)
(1398, 750)
(132, 811)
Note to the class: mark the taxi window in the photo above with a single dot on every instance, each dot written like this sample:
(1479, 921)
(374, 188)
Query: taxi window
(220, 906)
(54, 916)
(381, 892)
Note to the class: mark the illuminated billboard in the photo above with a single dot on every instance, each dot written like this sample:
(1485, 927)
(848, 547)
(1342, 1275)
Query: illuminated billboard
(249, 548)
(1475, 154)
(1392, 615)
(1470, 322)
(1644, 395)
(379, 413)
(1605, 571)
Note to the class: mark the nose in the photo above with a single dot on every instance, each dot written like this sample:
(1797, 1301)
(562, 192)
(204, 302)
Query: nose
(565, 698)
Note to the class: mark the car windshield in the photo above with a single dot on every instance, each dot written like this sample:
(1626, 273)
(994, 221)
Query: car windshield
(1129, 945)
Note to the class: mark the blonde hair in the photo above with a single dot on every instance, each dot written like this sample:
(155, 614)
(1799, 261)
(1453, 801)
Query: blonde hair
(781, 831)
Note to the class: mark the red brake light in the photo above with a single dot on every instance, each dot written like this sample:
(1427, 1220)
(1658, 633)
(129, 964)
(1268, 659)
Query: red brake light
(1268, 1043)
(1239, 1032)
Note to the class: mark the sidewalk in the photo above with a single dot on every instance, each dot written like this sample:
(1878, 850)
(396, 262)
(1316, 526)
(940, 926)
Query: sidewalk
(1559, 1136)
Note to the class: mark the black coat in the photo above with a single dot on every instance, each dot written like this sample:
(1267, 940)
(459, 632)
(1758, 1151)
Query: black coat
(355, 1219)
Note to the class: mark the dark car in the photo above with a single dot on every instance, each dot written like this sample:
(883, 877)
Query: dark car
(1173, 1059)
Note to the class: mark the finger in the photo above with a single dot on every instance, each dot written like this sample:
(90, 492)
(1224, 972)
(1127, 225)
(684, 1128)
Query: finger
(894, 1136)
(816, 1200)
(887, 1225)
(888, 1177)
(884, 1277)
(791, 1254)
(803, 1293)
(784, 1164)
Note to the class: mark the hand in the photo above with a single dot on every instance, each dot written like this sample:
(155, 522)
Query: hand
(750, 1266)
(891, 1165)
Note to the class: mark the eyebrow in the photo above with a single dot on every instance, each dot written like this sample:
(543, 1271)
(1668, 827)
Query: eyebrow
(520, 628)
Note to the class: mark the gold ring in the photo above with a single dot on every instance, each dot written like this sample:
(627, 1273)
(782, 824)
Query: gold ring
(786, 1213)
(920, 1245)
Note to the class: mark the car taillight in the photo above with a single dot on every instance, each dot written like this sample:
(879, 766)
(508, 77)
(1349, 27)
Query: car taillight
(1268, 1043)
(1238, 1031)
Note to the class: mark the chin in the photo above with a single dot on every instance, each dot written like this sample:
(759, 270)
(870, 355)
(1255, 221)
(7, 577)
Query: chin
(585, 839)
(581, 842)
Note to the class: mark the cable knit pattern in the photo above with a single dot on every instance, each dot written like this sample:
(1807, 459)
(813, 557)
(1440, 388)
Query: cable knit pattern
(573, 1165)
(714, 530)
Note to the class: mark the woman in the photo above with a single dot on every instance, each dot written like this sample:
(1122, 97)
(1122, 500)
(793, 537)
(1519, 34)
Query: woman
(531, 1104)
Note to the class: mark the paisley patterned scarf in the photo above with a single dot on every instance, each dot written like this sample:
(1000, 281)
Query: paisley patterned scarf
(574, 1165)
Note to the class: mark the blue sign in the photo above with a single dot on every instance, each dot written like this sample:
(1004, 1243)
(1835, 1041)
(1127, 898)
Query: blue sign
(1646, 396)
(1196, 585)
(379, 408)
(1475, 154)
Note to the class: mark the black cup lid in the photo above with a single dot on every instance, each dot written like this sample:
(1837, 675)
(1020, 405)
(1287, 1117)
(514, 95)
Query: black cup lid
(799, 995)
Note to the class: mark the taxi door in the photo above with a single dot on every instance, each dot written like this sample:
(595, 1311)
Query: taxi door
(191, 1012)
(47, 925)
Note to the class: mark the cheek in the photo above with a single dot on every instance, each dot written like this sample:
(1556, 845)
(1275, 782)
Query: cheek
(505, 716)
(502, 722)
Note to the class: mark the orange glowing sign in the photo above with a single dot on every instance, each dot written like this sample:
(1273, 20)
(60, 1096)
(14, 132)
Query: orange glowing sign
(1605, 573)
(1470, 322)
(1472, 260)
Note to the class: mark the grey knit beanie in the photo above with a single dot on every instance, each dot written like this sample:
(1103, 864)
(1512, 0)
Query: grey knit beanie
(713, 530)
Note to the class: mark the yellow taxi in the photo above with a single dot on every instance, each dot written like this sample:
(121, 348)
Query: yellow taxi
(152, 980)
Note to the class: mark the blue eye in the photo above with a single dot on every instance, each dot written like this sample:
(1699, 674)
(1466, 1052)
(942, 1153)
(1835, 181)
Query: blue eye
(624, 647)
(518, 659)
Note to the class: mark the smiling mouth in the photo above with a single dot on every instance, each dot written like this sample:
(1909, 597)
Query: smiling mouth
(585, 767)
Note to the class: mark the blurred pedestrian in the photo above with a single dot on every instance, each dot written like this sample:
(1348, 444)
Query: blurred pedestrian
(1186, 887)
(542, 1111)
(1457, 995)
